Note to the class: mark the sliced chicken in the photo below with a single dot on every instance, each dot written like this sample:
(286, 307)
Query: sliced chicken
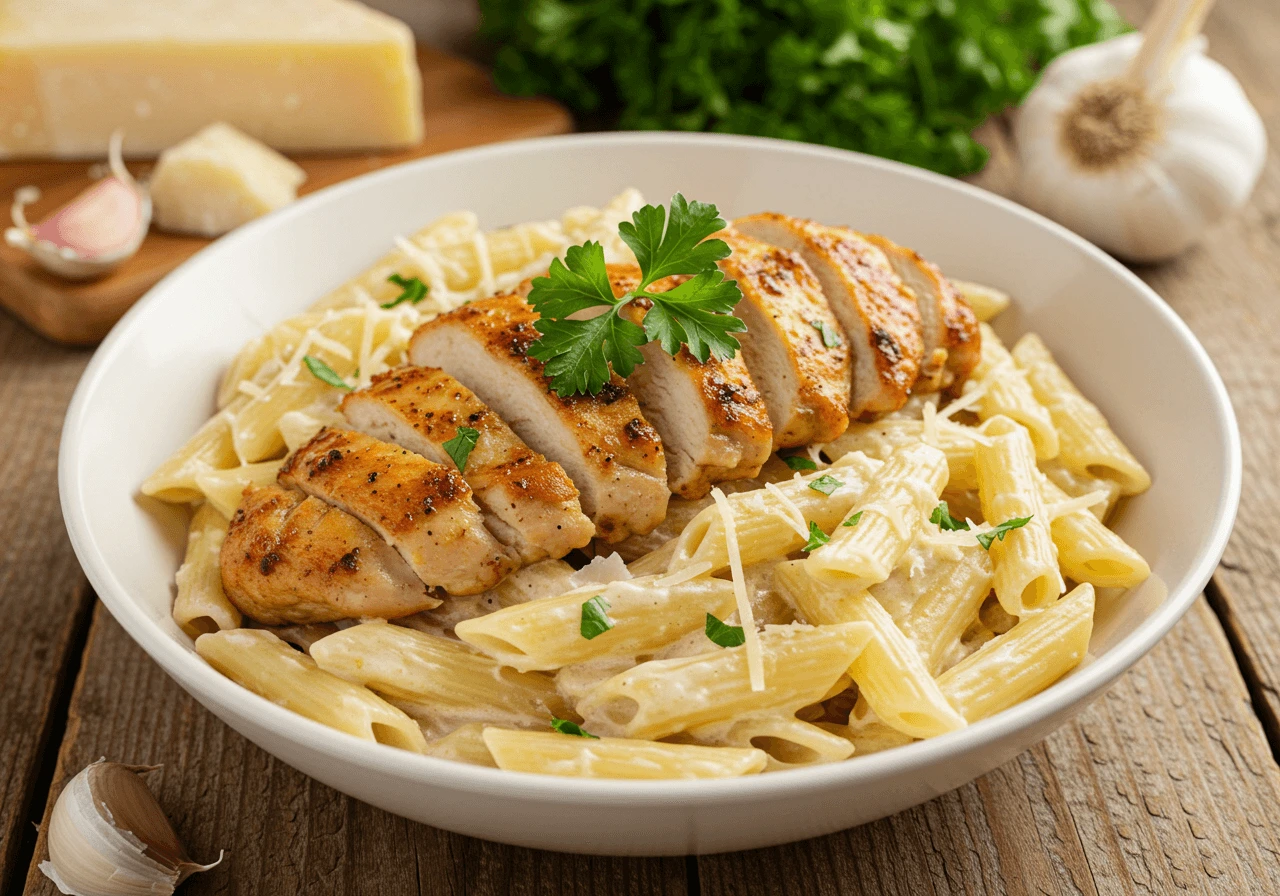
(604, 443)
(713, 421)
(876, 309)
(952, 344)
(422, 509)
(528, 502)
(291, 559)
(804, 381)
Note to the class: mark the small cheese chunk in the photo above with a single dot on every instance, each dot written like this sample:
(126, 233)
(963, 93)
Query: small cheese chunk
(296, 74)
(218, 180)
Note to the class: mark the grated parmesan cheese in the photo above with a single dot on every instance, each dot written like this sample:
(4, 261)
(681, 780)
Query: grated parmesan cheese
(250, 388)
(680, 576)
(755, 659)
(790, 511)
(930, 436)
(1071, 505)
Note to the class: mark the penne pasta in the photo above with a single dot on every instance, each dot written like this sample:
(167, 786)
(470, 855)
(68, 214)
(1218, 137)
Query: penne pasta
(1005, 392)
(1024, 559)
(436, 679)
(224, 488)
(986, 301)
(789, 742)
(770, 523)
(880, 439)
(663, 697)
(550, 753)
(1023, 661)
(1087, 550)
(463, 744)
(211, 448)
(905, 492)
(261, 662)
(890, 673)
(643, 616)
(201, 606)
(1088, 444)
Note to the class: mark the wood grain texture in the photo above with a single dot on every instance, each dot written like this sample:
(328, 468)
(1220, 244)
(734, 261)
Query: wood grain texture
(461, 107)
(1165, 785)
(43, 596)
(283, 832)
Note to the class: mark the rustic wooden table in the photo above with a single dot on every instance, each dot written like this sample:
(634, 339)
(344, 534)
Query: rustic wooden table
(1168, 783)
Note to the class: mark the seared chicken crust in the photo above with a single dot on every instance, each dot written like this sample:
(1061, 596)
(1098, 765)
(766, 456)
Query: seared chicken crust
(422, 509)
(529, 502)
(877, 311)
(292, 559)
(613, 455)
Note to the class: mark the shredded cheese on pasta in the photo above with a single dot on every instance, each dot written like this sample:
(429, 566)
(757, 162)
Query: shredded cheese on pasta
(680, 576)
(1071, 505)
(790, 511)
(755, 659)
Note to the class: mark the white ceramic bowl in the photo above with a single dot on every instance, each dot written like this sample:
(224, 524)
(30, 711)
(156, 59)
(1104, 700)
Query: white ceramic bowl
(152, 383)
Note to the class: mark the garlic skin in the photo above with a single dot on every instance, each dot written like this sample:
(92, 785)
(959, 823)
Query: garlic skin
(108, 836)
(1142, 183)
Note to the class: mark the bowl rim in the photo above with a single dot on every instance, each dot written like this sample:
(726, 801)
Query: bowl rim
(212, 689)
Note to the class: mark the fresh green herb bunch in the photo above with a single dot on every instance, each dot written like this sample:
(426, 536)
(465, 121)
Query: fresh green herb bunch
(904, 79)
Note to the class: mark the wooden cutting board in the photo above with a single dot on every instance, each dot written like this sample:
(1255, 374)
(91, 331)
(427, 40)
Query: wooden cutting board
(461, 108)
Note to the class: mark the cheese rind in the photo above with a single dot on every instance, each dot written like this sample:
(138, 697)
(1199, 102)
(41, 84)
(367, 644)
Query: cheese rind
(296, 74)
(218, 180)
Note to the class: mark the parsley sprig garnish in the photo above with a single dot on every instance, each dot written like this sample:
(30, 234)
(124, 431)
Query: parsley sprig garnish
(564, 726)
(324, 373)
(942, 518)
(817, 538)
(579, 353)
(986, 538)
(460, 446)
(595, 618)
(723, 634)
(412, 290)
(826, 483)
(799, 462)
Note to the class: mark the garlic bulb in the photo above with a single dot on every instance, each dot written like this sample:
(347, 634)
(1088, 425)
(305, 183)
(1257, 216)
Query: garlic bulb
(95, 232)
(1141, 142)
(108, 836)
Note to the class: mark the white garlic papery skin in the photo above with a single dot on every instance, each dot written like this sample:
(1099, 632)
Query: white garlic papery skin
(108, 836)
(1142, 183)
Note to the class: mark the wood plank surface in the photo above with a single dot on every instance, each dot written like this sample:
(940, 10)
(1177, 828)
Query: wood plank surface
(461, 107)
(44, 598)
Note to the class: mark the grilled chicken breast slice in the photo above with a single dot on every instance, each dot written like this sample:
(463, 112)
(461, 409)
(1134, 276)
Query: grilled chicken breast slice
(612, 454)
(712, 419)
(876, 309)
(422, 509)
(293, 559)
(948, 327)
(805, 383)
(528, 502)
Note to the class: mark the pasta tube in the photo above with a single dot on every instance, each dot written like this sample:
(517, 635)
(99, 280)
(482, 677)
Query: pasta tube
(1005, 391)
(1087, 550)
(1088, 444)
(269, 667)
(201, 605)
(950, 587)
(211, 448)
(1025, 559)
(224, 488)
(788, 741)
(986, 301)
(663, 697)
(773, 522)
(436, 678)
(643, 616)
(1023, 661)
(551, 753)
(905, 491)
(890, 673)
(883, 437)
(463, 744)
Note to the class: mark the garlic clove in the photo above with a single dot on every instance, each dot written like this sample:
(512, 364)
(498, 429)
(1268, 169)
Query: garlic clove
(108, 836)
(93, 233)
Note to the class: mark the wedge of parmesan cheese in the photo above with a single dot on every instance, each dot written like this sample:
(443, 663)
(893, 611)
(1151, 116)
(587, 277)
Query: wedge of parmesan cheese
(218, 180)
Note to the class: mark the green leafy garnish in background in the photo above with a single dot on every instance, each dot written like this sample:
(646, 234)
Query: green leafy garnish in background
(324, 373)
(412, 290)
(799, 462)
(905, 79)
(564, 726)
(723, 634)
(580, 353)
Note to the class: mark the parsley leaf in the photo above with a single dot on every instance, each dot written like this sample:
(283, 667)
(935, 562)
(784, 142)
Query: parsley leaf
(459, 447)
(595, 618)
(986, 538)
(853, 520)
(826, 483)
(817, 538)
(724, 635)
(579, 354)
(324, 373)
(942, 518)
(564, 726)
(412, 290)
(830, 336)
(799, 462)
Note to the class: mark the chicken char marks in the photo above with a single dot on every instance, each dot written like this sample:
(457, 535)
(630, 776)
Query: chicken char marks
(293, 559)
(529, 502)
(423, 509)
(612, 454)
(712, 419)
(877, 311)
